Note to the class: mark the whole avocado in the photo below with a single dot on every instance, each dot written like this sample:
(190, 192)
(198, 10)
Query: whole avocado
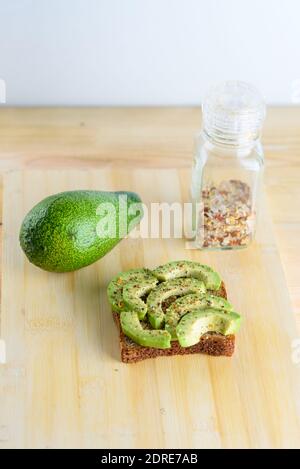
(70, 230)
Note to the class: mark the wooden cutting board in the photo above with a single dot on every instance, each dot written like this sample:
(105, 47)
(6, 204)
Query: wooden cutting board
(64, 385)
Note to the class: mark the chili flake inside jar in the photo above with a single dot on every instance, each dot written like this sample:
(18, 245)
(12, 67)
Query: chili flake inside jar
(227, 215)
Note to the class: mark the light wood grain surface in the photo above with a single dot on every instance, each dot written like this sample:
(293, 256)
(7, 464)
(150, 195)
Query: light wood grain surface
(64, 385)
(44, 139)
(156, 137)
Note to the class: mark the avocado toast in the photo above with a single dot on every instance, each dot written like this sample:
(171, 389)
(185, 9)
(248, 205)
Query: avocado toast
(176, 309)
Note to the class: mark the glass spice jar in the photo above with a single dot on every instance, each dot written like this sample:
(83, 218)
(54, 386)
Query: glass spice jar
(228, 167)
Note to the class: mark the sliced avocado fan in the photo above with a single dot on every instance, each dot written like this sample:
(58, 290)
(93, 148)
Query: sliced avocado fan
(132, 327)
(116, 285)
(177, 269)
(132, 293)
(193, 325)
(176, 301)
(189, 303)
(176, 287)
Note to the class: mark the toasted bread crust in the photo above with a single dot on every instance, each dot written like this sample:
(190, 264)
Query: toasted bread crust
(210, 344)
(221, 292)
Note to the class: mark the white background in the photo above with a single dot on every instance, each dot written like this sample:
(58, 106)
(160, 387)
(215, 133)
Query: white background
(146, 52)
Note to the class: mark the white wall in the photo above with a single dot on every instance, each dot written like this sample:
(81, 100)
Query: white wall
(146, 52)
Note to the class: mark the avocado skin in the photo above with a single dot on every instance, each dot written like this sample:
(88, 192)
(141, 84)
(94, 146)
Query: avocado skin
(59, 233)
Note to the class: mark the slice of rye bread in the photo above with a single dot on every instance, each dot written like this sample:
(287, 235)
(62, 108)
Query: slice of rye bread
(210, 344)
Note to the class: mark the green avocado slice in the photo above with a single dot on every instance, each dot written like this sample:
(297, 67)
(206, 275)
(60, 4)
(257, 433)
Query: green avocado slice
(193, 325)
(189, 303)
(115, 287)
(177, 269)
(133, 329)
(132, 293)
(176, 287)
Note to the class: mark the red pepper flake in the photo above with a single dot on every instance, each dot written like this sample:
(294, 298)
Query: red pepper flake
(228, 215)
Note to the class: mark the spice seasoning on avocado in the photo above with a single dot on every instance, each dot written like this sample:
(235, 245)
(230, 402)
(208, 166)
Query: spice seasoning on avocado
(228, 216)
